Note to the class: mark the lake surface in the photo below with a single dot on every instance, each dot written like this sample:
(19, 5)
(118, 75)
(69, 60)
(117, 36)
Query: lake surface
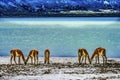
(63, 36)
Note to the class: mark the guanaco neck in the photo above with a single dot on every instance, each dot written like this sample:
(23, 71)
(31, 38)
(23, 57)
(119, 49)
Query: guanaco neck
(93, 55)
(23, 58)
(87, 55)
(29, 55)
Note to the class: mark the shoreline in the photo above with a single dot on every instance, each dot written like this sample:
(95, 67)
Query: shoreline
(54, 59)
(60, 18)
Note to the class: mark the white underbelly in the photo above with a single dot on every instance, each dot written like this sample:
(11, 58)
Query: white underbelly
(32, 55)
(47, 55)
(83, 53)
(17, 54)
(101, 53)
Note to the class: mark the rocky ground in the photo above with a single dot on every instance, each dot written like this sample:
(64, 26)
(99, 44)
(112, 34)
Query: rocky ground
(64, 71)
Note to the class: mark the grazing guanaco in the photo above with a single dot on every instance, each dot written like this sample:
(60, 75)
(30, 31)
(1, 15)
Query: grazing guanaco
(82, 53)
(99, 52)
(16, 53)
(33, 54)
(46, 56)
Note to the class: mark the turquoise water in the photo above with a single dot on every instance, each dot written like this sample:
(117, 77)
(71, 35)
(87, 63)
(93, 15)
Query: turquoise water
(62, 36)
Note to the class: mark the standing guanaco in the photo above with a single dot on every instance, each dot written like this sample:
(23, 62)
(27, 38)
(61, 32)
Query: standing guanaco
(82, 53)
(99, 52)
(46, 56)
(33, 54)
(16, 53)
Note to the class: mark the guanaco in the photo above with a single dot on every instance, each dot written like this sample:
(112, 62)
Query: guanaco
(99, 52)
(33, 54)
(46, 56)
(16, 53)
(82, 53)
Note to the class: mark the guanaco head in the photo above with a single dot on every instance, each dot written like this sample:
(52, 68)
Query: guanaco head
(25, 62)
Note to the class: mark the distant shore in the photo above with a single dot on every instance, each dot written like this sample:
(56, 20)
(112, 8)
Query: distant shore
(71, 13)
(33, 15)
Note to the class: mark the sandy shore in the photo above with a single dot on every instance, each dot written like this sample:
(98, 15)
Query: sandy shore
(60, 68)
